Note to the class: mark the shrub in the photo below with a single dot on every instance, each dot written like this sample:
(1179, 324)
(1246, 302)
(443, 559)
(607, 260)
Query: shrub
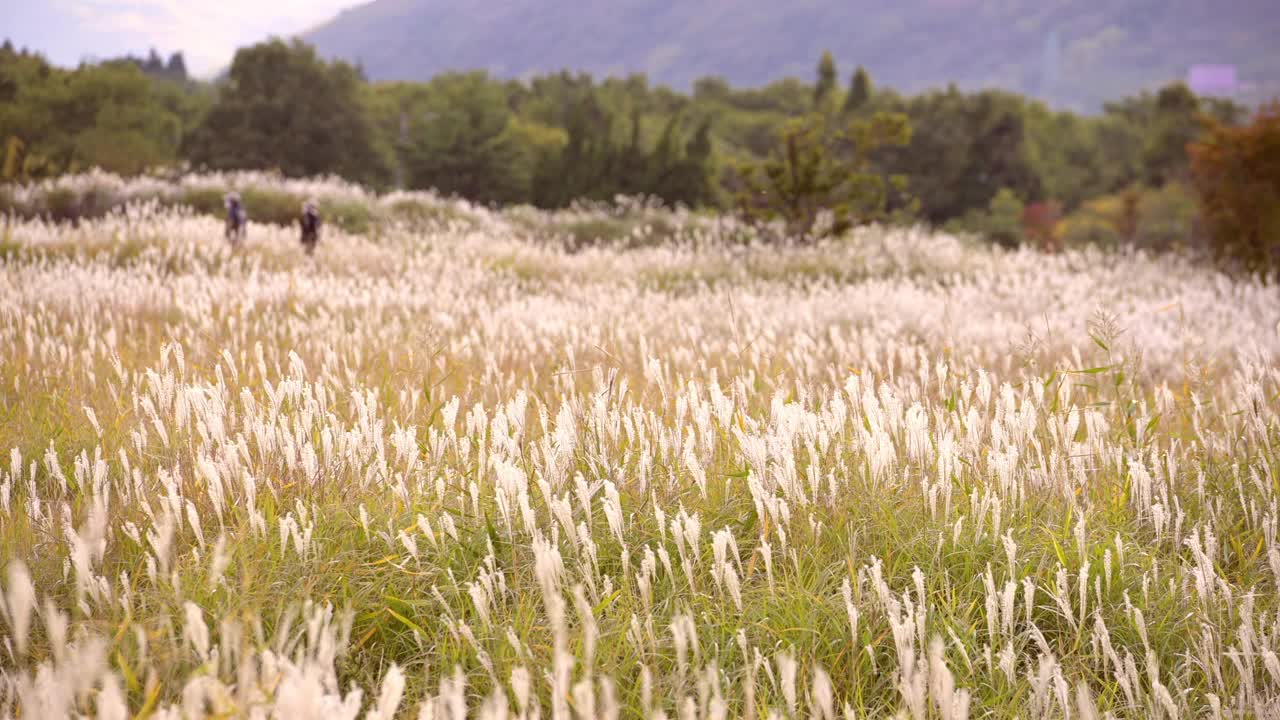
(8, 204)
(279, 207)
(1166, 218)
(61, 204)
(354, 217)
(1088, 228)
(1153, 219)
(207, 201)
(95, 202)
(595, 231)
(1039, 221)
(417, 213)
(1001, 222)
(271, 206)
(1236, 171)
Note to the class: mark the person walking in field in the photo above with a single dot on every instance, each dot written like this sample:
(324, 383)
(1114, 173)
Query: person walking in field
(237, 218)
(310, 227)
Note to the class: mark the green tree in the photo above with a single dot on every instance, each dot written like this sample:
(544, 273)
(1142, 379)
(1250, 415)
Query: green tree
(682, 175)
(1000, 222)
(1174, 125)
(1118, 143)
(999, 154)
(283, 107)
(581, 168)
(109, 116)
(827, 79)
(859, 91)
(462, 141)
(1166, 218)
(1004, 218)
(176, 69)
(629, 165)
(1224, 110)
(13, 149)
(789, 96)
(820, 167)
(712, 89)
(963, 149)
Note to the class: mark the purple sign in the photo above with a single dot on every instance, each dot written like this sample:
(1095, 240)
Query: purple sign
(1213, 79)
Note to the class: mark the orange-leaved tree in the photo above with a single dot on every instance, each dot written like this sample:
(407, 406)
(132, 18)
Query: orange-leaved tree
(1236, 171)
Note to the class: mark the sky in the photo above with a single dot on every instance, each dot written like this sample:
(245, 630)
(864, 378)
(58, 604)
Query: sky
(206, 31)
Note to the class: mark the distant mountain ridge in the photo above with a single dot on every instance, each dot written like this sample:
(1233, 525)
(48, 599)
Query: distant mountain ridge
(1072, 56)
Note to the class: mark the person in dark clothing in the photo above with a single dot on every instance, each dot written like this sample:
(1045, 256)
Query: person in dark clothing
(237, 218)
(310, 226)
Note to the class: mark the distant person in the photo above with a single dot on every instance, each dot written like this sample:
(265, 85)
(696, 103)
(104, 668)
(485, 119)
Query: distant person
(237, 218)
(310, 226)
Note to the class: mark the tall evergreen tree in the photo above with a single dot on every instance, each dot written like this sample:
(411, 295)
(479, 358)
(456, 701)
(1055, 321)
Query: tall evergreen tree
(177, 67)
(859, 90)
(826, 79)
(153, 65)
(693, 185)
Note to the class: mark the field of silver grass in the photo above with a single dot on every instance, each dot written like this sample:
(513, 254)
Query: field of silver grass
(455, 470)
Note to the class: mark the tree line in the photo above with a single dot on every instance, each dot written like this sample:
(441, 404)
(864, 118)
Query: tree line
(992, 161)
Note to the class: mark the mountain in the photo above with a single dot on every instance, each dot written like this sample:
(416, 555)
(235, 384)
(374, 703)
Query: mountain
(1072, 53)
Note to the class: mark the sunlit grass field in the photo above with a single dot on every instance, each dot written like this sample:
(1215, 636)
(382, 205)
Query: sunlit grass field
(471, 463)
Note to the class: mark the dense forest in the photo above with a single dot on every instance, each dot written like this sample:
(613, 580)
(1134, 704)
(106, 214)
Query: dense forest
(992, 162)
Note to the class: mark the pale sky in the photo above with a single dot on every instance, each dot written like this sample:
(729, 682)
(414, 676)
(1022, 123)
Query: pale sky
(206, 31)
